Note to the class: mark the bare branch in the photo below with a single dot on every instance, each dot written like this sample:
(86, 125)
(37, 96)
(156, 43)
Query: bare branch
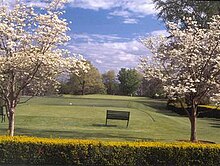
(23, 102)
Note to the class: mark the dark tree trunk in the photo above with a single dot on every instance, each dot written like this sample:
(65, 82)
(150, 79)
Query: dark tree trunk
(193, 137)
(83, 87)
(193, 118)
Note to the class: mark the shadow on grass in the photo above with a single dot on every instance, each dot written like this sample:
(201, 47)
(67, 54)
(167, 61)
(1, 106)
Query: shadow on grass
(98, 98)
(160, 107)
(110, 125)
(215, 123)
(103, 125)
(78, 135)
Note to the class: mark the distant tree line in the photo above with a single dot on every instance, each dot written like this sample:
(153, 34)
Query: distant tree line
(84, 82)
(125, 82)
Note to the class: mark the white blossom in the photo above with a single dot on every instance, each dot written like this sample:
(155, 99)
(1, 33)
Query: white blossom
(30, 53)
(187, 62)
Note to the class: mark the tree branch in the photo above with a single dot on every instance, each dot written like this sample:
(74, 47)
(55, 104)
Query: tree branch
(29, 79)
(26, 100)
(187, 112)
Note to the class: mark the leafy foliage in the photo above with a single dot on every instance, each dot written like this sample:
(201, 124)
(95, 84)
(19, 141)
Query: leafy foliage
(42, 151)
(129, 80)
(152, 88)
(109, 80)
(84, 82)
(175, 10)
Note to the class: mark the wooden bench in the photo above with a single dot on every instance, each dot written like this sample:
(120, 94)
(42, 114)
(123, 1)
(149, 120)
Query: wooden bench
(117, 115)
(2, 113)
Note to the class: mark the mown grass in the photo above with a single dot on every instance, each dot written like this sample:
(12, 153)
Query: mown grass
(84, 117)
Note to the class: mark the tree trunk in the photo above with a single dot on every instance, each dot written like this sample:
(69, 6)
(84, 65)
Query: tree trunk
(193, 137)
(192, 117)
(83, 87)
(11, 119)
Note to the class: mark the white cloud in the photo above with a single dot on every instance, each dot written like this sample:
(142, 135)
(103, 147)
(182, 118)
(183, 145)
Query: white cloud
(93, 4)
(130, 21)
(111, 55)
(36, 3)
(128, 57)
(145, 7)
(128, 17)
(98, 61)
(96, 38)
(129, 10)
(159, 32)
(142, 6)
(111, 52)
(121, 13)
(152, 33)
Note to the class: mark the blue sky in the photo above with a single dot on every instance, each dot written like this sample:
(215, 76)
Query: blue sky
(106, 32)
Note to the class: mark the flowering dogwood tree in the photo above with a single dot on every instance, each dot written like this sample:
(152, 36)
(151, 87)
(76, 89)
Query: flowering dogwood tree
(187, 62)
(29, 53)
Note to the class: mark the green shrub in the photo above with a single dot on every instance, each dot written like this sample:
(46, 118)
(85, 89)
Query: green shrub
(42, 151)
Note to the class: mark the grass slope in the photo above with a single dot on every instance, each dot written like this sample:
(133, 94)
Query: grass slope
(84, 117)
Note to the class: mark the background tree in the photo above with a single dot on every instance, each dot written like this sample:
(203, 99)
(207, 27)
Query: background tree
(110, 82)
(29, 53)
(188, 64)
(129, 80)
(85, 82)
(152, 88)
(93, 82)
(176, 10)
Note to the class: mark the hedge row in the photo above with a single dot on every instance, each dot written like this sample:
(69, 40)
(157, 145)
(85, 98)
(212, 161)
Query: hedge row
(42, 151)
(203, 111)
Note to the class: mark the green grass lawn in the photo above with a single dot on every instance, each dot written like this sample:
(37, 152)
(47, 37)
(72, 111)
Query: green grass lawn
(85, 119)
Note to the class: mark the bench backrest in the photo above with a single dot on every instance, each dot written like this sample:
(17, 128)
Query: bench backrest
(121, 115)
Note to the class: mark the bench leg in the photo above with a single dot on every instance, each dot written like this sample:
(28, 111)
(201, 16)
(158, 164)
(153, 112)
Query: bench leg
(106, 122)
(127, 123)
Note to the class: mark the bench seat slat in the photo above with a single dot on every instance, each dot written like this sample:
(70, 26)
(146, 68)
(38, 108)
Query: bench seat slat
(118, 115)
